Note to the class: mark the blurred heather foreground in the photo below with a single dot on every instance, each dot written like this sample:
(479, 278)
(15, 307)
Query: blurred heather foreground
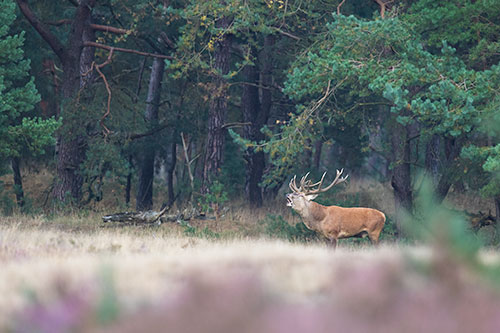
(438, 278)
(128, 281)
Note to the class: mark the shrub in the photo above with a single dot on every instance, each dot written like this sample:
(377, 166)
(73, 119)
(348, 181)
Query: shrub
(276, 226)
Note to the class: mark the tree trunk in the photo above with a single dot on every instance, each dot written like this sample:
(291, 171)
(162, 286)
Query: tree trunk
(18, 181)
(318, 147)
(88, 55)
(171, 159)
(217, 109)
(497, 212)
(71, 140)
(401, 175)
(453, 147)
(254, 160)
(256, 112)
(432, 158)
(128, 186)
(144, 197)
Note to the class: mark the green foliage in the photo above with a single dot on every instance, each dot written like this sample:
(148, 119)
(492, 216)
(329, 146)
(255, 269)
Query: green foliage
(214, 199)
(233, 170)
(358, 65)
(489, 159)
(104, 161)
(192, 231)
(18, 95)
(472, 27)
(275, 226)
(7, 205)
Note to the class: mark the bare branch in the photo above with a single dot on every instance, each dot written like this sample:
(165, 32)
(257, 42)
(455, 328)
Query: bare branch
(287, 34)
(383, 6)
(188, 163)
(107, 28)
(108, 111)
(98, 27)
(338, 7)
(236, 124)
(135, 136)
(120, 49)
(139, 80)
(165, 39)
(98, 70)
(44, 32)
(59, 22)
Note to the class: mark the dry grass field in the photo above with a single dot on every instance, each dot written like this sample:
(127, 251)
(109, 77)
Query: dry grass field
(73, 275)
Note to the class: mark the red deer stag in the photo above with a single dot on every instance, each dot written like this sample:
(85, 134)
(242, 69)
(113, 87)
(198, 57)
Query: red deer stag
(333, 222)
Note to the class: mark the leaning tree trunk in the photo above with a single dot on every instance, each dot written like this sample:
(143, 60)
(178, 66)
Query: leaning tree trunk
(217, 109)
(401, 175)
(18, 181)
(144, 197)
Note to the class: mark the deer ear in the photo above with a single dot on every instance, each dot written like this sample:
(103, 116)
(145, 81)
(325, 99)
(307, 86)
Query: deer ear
(311, 196)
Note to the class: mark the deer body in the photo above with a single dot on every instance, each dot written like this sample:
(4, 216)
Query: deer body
(334, 222)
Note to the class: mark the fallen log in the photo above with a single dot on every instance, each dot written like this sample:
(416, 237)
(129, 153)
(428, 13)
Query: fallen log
(149, 216)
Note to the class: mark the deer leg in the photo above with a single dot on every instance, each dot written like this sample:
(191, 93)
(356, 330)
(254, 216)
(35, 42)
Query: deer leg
(374, 236)
(332, 242)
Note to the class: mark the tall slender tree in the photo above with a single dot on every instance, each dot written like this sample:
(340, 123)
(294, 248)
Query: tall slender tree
(144, 198)
(217, 108)
(256, 106)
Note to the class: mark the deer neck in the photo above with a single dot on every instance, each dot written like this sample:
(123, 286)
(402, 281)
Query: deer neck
(312, 215)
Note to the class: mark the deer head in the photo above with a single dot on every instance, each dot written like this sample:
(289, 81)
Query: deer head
(307, 191)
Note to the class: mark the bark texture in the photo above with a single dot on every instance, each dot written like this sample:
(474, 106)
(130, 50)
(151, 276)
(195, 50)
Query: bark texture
(18, 181)
(432, 158)
(217, 109)
(452, 149)
(254, 159)
(144, 197)
(497, 212)
(256, 103)
(71, 140)
(401, 176)
(171, 159)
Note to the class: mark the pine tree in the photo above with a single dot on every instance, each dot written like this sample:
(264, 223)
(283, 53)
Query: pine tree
(19, 134)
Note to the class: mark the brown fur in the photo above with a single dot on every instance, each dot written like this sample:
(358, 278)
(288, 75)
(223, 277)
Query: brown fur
(336, 222)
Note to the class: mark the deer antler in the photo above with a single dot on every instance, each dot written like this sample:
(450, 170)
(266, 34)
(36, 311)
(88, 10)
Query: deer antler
(293, 185)
(307, 187)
